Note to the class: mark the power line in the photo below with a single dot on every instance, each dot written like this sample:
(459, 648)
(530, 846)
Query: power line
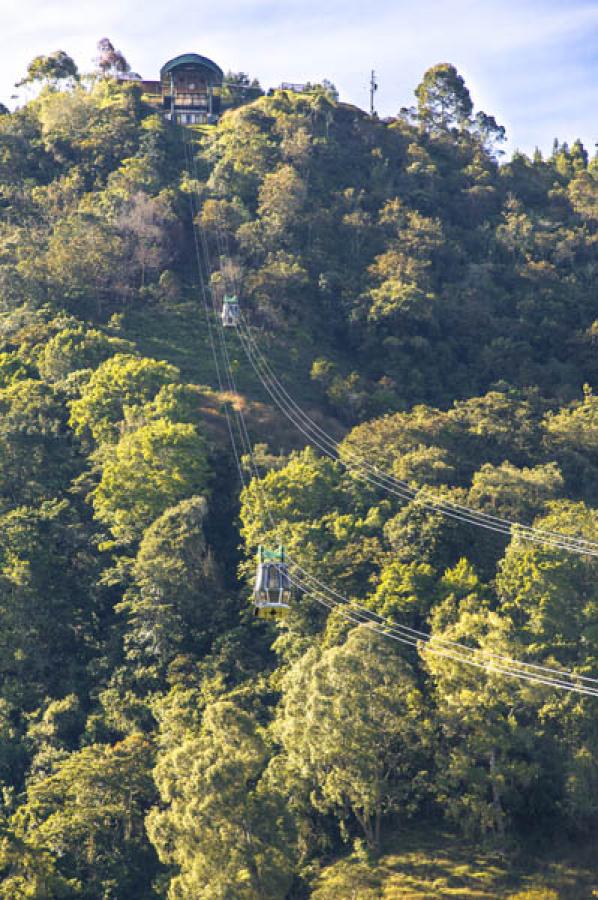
(373, 89)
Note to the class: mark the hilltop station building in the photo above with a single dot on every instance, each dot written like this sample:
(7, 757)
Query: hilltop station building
(189, 90)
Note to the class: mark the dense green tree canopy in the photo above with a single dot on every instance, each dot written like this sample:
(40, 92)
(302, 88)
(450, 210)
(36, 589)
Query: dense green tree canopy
(89, 812)
(226, 832)
(151, 470)
(430, 305)
(353, 726)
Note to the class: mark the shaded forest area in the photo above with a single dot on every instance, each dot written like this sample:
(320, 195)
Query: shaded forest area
(435, 306)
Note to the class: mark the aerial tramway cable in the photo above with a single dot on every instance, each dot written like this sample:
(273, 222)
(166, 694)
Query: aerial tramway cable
(323, 594)
(388, 482)
(408, 636)
(377, 477)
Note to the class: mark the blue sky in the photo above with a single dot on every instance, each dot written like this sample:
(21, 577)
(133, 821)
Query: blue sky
(531, 63)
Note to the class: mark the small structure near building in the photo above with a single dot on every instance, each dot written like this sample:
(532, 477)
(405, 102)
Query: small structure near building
(325, 86)
(292, 86)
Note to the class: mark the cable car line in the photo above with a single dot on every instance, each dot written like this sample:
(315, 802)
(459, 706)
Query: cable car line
(369, 618)
(388, 476)
(430, 646)
(422, 640)
(272, 588)
(470, 517)
(420, 635)
(448, 508)
(375, 480)
(352, 612)
(520, 670)
(194, 211)
(429, 643)
(417, 637)
(389, 483)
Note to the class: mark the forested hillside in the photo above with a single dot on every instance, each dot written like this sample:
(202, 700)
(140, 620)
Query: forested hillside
(433, 306)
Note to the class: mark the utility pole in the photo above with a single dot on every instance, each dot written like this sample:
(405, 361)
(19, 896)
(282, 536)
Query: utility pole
(373, 89)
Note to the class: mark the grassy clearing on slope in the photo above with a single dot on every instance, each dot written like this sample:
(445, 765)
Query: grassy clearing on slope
(178, 334)
(425, 867)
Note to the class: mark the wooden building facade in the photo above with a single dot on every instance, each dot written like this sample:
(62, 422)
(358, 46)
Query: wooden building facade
(189, 90)
(191, 87)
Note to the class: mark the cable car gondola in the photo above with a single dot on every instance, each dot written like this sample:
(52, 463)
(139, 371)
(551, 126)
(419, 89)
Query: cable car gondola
(231, 311)
(272, 592)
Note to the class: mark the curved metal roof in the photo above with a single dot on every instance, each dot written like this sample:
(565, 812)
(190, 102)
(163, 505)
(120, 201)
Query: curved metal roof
(191, 59)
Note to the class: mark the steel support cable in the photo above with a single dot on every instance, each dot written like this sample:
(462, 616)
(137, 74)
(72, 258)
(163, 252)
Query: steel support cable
(405, 635)
(562, 541)
(419, 636)
(573, 541)
(207, 291)
(241, 424)
(419, 639)
(202, 286)
(329, 447)
(206, 306)
(400, 489)
(428, 643)
(529, 672)
(242, 428)
(462, 515)
(478, 658)
(489, 667)
(425, 636)
(378, 478)
(391, 484)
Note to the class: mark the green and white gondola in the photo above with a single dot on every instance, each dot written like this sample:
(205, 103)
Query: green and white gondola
(231, 311)
(272, 592)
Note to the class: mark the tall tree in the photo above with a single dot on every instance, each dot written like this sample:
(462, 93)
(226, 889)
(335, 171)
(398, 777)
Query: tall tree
(83, 827)
(175, 603)
(53, 69)
(226, 834)
(122, 383)
(109, 60)
(491, 771)
(355, 732)
(152, 468)
(443, 101)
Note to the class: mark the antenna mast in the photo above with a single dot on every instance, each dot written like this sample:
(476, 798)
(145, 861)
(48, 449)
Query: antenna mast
(373, 89)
